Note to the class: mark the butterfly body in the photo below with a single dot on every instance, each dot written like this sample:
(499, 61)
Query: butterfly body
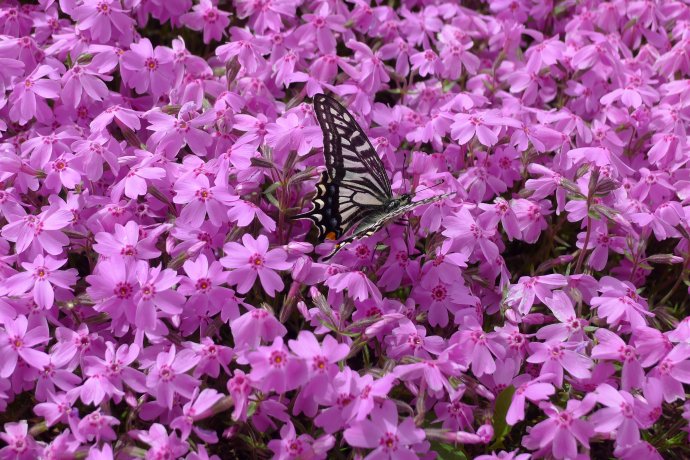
(354, 196)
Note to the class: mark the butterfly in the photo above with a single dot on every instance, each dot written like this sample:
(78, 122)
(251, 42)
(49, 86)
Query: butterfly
(354, 196)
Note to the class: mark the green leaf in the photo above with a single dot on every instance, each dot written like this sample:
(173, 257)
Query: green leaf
(501, 427)
(448, 451)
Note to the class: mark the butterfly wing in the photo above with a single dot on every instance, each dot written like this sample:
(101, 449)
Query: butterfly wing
(374, 221)
(355, 183)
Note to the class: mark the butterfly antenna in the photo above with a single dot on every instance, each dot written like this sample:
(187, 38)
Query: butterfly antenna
(431, 186)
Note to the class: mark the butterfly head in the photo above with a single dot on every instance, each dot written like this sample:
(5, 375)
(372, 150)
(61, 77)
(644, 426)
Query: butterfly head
(399, 201)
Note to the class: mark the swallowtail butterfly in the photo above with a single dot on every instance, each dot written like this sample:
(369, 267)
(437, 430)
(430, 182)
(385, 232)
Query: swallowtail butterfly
(354, 196)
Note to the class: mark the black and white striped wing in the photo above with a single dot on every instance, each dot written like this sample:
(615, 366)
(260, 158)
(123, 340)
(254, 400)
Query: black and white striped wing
(355, 183)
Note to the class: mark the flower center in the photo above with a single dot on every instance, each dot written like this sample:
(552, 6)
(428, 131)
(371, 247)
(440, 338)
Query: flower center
(256, 261)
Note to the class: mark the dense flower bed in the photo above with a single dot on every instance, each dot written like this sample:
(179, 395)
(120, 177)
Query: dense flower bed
(157, 301)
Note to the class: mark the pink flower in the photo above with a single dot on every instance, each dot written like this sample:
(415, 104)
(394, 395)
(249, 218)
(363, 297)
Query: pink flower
(167, 376)
(171, 134)
(623, 413)
(28, 98)
(20, 444)
(557, 356)
(426, 62)
(207, 17)
(96, 427)
(18, 341)
(382, 433)
(39, 231)
(202, 199)
(244, 212)
(99, 17)
(146, 69)
(563, 429)
(41, 277)
(466, 126)
(611, 346)
(252, 259)
(254, 326)
(160, 443)
(526, 388)
(274, 368)
(127, 242)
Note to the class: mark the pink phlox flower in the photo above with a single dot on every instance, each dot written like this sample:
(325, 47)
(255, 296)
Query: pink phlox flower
(359, 286)
(541, 137)
(249, 49)
(266, 16)
(42, 149)
(28, 99)
(20, 444)
(527, 388)
(619, 301)
(135, 181)
(207, 17)
(321, 27)
(244, 212)
(426, 63)
(382, 433)
(476, 348)
(531, 217)
(239, 387)
(570, 327)
(156, 297)
(145, 69)
(56, 373)
(500, 211)
(99, 17)
(104, 377)
(113, 286)
(291, 133)
(58, 408)
(600, 156)
(455, 414)
(556, 356)
(642, 449)
(400, 50)
(83, 83)
(321, 361)
(160, 443)
(480, 124)
(291, 446)
(201, 200)
(611, 346)
(42, 231)
(62, 172)
(41, 276)
(480, 183)
(563, 430)
(672, 372)
(198, 408)
(211, 357)
(18, 340)
(126, 242)
(409, 339)
(171, 134)
(91, 154)
(96, 426)
(124, 116)
(601, 242)
(275, 368)
(522, 296)
(203, 286)
(433, 373)
(167, 376)
(254, 326)
(468, 234)
(252, 259)
(548, 182)
(623, 415)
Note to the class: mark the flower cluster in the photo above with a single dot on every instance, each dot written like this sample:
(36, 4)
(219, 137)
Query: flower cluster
(158, 301)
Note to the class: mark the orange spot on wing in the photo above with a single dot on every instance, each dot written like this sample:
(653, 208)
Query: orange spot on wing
(330, 236)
